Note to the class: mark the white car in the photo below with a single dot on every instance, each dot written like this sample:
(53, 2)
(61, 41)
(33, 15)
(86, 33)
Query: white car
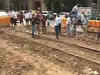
(2, 13)
(45, 13)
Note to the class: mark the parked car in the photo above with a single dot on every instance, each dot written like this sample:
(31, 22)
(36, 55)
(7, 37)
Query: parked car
(45, 13)
(2, 13)
(62, 14)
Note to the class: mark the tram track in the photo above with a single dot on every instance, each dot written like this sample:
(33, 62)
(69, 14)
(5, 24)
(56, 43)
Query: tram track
(85, 45)
(62, 57)
(70, 43)
(81, 52)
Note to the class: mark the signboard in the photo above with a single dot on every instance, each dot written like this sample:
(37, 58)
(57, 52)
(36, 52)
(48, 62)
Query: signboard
(86, 10)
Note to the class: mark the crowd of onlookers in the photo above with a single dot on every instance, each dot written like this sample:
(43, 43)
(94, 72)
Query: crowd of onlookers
(36, 19)
(73, 22)
(20, 17)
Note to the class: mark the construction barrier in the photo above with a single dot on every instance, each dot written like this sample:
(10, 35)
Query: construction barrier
(4, 20)
(94, 26)
(94, 23)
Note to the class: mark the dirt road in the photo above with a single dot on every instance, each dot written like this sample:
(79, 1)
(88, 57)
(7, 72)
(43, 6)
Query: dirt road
(22, 55)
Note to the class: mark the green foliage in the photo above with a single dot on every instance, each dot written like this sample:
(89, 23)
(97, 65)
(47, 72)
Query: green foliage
(18, 5)
(2, 5)
(63, 5)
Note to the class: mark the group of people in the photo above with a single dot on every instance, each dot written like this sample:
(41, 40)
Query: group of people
(40, 22)
(22, 17)
(71, 21)
(76, 22)
(27, 18)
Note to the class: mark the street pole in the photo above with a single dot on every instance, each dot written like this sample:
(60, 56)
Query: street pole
(43, 7)
(8, 4)
(98, 7)
(30, 4)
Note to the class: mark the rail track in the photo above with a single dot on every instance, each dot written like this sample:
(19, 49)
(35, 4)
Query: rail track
(62, 47)
(55, 51)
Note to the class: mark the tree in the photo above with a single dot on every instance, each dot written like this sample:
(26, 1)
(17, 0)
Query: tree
(2, 4)
(61, 5)
(64, 5)
(18, 5)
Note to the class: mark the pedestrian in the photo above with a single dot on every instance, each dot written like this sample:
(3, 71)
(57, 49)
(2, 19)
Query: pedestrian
(60, 25)
(57, 26)
(98, 36)
(13, 19)
(69, 23)
(38, 21)
(21, 17)
(75, 10)
(64, 22)
(44, 24)
(84, 20)
(75, 19)
(30, 17)
(27, 17)
(73, 25)
(33, 25)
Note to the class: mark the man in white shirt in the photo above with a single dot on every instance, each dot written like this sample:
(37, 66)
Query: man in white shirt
(69, 24)
(27, 18)
(57, 26)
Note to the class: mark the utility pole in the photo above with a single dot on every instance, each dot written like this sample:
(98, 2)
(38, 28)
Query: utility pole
(98, 7)
(8, 4)
(43, 7)
(30, 4)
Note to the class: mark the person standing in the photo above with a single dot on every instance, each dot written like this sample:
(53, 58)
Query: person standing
(38, 21)
(69, 23)
(60, 26)
(57, 26)
(44, 24)
(64, 22)
(21, 17)
(33, 25)
(30, 17)
(27, 17)
(75, 10)
(13, 20)
(84, 20)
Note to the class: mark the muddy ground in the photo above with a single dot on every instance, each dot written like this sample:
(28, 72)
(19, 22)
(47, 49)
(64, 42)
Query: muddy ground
(20, 56)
